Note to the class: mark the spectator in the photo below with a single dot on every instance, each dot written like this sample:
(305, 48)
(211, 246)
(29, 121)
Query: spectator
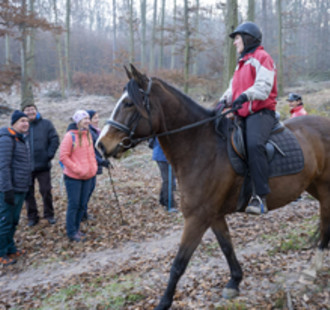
(15, 176)
(296, 105)
(43, 141)
(95, 132)
(165, 170)
(78, 157)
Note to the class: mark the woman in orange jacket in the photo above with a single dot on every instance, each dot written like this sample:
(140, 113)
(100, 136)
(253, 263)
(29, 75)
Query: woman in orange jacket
(78, 157)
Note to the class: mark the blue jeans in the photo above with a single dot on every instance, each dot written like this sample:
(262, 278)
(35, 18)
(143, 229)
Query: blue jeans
(93, 184)
(9, 218)
(78, 193)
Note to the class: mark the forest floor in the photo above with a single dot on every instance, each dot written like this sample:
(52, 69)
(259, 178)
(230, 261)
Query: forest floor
(127, 266)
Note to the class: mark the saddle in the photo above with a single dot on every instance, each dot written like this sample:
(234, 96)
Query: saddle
(283, 152)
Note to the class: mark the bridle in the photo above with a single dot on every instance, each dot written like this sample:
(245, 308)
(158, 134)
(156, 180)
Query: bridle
(129, 141)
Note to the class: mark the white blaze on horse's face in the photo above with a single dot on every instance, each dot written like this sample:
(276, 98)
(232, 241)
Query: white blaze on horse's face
(106, 128)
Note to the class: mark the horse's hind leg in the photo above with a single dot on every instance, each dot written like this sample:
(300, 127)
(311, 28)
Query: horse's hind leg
(220, 229)
(194, 230)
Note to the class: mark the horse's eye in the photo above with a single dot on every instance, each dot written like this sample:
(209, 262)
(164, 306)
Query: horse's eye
(128, 104)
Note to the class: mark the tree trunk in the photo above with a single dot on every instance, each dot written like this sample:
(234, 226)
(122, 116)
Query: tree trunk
(230, 55)
(153, 39)
(251, 11)
(7, 50)
(131, 31)
(280, 52)
(59, 52)
(143, 7)
(174, 36)
(162, 25)
(67, 45)
(195, 66)
(114, 34)
(26, 86)
(187, 47)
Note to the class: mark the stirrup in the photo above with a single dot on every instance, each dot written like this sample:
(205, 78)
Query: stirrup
(256, 206)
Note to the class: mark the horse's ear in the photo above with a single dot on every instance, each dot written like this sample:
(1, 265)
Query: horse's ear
(128, 73)
(140, 78)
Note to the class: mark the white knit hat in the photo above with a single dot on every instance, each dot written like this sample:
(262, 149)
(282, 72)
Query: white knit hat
(79, 115)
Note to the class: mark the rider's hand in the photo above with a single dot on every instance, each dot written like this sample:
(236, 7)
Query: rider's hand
(237, 104)
(221, 105)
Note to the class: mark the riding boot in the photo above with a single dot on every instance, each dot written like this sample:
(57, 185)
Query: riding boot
(257, 205)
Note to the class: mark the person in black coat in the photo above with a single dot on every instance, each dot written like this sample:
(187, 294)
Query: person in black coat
(15, 169)
(43, 141)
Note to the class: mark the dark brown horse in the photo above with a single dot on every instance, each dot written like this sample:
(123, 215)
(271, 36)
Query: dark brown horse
(209, 186)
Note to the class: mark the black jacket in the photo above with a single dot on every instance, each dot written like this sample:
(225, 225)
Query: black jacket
(15, 168)
(44, 141)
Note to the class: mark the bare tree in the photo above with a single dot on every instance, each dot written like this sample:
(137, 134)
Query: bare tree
(26, 80)
(174, 35)
(186, 46)
(251, 10)
(162, 25)
(67, 44)
(280, 53)
(114, 31)
(153, 39)
(143, 9)
(59, 51)
(230, 55)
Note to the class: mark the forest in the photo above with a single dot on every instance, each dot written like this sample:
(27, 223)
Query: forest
(65, 55)
(84, 44)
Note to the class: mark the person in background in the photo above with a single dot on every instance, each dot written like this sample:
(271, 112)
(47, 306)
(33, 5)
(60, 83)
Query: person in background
(78, 158)
(164, 167)
(43, 141)
(15, 177)
(252, 93)
(95, 132)
(296, 105)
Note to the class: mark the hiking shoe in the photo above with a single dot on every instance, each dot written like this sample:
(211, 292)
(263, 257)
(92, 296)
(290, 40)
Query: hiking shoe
(51, 221)
(78, 237)
(18, 253)
(33, 222)
(6, 261)
(257, 205)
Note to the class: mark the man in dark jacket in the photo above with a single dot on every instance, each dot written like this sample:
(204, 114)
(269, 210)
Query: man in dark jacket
(15, 177)
(44, 141)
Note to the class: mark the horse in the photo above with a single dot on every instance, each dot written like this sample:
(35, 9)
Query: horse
(209, 186)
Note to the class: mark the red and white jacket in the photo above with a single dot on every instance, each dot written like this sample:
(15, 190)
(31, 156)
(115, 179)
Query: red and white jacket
(298, 111)
(255, 75)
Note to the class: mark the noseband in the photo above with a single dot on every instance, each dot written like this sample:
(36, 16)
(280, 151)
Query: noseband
(129, 141)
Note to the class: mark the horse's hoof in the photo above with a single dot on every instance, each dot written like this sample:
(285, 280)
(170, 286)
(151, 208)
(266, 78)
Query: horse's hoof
(229, 293)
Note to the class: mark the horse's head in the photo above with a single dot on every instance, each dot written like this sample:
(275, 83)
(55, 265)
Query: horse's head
(131, 118)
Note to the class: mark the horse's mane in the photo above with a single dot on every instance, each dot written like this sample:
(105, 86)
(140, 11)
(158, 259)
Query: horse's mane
(185, 99)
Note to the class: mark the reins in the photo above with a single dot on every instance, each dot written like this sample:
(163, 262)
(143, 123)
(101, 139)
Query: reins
(128, 142)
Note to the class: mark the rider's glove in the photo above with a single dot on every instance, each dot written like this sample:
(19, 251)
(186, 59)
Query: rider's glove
(221, 105)
(237, 104)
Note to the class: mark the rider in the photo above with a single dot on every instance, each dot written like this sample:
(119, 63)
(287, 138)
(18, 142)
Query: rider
(296, 105)
(253, 91)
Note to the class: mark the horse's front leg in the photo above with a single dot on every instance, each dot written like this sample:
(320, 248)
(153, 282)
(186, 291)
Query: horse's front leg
(194, 230)
(220, 229)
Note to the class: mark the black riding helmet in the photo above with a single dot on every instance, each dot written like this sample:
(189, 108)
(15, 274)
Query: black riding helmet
(248, 28)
